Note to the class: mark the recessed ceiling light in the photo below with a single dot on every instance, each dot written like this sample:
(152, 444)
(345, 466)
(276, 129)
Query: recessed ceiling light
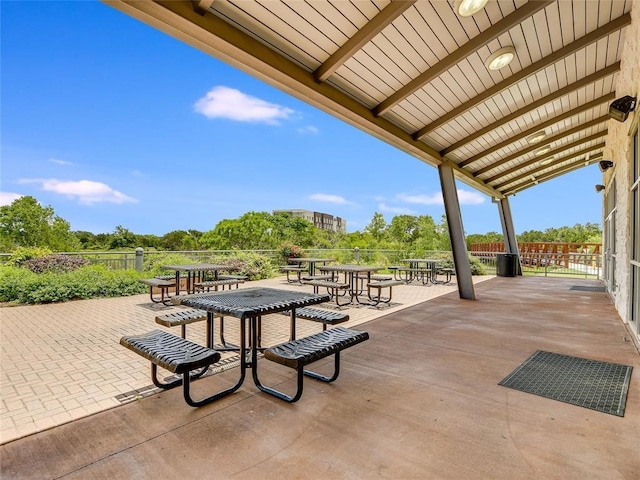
(546, 161)
(501, 58)
(542, 150)
(466, 8)
(537, 137)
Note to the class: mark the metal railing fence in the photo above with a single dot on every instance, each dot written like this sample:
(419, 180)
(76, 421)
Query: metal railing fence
(587, 265)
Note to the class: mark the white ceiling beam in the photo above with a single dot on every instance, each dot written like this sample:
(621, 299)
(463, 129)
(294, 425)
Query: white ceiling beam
(541, 126)
(557, 161)
(564, 170)
(364, 35)
(461, 53)
(533, 105)
(555, 151)
(613, 26)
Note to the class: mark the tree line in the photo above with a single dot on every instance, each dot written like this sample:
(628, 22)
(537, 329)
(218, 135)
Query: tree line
(25, 223)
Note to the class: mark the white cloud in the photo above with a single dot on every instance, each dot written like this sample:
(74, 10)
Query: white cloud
(465, 197)
(424, 199)
(225, 102)
(60, 162)
(324, 197)
(7, 198)
(86, 191)
(308, 130)
(397, 210)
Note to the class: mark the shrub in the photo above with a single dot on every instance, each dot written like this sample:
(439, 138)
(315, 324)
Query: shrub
(253, 265)
(153, 263)
(289, 250)
(55, 263)
(20, 285)
(22, 254)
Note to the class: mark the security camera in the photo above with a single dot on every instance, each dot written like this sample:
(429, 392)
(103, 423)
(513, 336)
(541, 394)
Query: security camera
(620, 108)
(605, 165)
(599, 188)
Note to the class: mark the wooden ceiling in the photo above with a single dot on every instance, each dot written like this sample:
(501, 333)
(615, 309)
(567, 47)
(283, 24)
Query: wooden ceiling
(413, 73)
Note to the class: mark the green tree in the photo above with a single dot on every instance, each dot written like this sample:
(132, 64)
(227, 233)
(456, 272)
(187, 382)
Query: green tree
(442, 239)
(174, 240)
(122, 238)
(147, 241)
(25, 223)
(403, 229)
(87, 239)
(426, 235)
(489, 237)
(61, 238)
(250, 232)
(377, 226)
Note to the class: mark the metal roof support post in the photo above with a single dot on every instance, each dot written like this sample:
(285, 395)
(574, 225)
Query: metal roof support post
(510, 241)
(456, 231)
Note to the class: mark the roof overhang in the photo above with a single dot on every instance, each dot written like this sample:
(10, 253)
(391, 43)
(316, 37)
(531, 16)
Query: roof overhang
(413, 74)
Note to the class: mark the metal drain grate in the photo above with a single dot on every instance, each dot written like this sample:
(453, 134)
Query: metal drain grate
(593, 384)
(588, 289)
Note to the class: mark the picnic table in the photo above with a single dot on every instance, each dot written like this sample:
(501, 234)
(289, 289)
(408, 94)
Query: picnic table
(248, 306)
(195, 273)
(424, 269)
(352, 273)
(311, 262)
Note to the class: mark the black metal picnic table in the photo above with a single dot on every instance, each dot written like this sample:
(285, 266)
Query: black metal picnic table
(195, 271)
(248, 305)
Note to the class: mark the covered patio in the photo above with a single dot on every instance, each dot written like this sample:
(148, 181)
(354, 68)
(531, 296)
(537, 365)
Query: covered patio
(420, 399)
(501, 95)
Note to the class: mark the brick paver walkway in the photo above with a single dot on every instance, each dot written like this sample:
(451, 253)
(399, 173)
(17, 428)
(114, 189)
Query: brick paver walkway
(61, 362)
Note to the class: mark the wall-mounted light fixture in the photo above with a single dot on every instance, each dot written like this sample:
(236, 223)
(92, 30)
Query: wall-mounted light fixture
(466, 8)
(537, 137)
(501, 58)
(620, 108)
(605, 165)
(599, 188)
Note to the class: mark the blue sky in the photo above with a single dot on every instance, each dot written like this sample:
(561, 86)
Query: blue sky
(112, 123)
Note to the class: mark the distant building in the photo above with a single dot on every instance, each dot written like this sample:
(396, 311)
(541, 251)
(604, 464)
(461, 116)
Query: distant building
(320, 220)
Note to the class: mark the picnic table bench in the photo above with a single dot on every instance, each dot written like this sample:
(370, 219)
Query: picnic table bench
(379, 285)
(447, 272)
(200, 286)
(288, 269)
(182, 318)
(297, 354)
(326, 317)
(333, 288)
(160, 284)
(408, 274)
(178, 356)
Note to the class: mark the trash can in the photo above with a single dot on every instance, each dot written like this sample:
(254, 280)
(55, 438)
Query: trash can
(506, 266)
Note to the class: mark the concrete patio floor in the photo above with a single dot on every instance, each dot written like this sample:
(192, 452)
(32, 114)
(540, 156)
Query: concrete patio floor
(419, 400)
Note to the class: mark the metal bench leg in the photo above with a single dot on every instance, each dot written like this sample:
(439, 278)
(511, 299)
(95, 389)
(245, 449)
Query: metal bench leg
(334, 294)
(376, 300)
(198, 403)
(163, 291)
(174, 383)
(379, 298)
(300, 374)
(323, 378)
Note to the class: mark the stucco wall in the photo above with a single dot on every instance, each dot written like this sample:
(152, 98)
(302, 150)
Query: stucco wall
(618, 149)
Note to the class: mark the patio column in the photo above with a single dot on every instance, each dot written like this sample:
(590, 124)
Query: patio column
(456, 231)
(508, 232)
